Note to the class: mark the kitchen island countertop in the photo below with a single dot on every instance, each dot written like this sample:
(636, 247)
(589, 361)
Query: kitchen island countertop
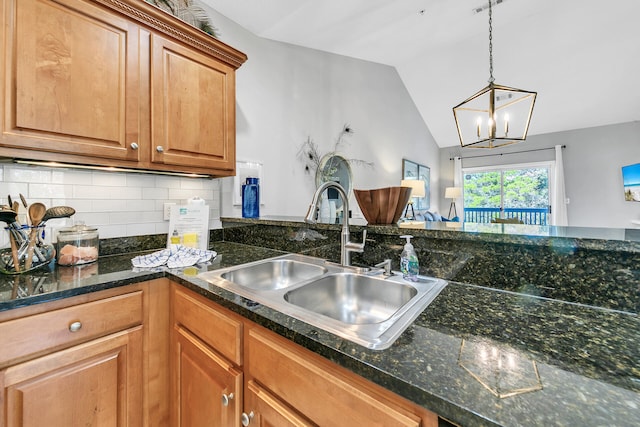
(476, 356)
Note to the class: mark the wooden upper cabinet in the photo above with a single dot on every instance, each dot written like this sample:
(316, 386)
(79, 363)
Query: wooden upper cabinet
(72, 83)
(115, 83)
(193, 107)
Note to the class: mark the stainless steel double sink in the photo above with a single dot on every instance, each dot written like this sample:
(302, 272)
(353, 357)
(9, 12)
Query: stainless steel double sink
(367, 308)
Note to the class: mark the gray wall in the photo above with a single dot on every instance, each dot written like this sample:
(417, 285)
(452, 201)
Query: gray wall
(593, 159)
(286, 93)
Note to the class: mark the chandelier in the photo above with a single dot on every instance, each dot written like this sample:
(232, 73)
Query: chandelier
(496, 115)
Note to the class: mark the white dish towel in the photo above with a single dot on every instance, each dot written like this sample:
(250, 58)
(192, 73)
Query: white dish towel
(175, 256)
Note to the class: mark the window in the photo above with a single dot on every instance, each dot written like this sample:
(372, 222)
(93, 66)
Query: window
(509, 191)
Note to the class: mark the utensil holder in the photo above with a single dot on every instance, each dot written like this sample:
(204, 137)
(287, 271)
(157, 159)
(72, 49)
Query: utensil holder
(13, 260)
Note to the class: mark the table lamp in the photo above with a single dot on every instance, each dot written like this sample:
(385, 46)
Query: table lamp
(452, 193)
(417, 191)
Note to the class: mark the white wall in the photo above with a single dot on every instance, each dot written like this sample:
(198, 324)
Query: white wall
(593, 159)
(286, 93)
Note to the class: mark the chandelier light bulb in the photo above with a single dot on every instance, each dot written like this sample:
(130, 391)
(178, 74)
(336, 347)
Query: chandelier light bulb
(506, 125)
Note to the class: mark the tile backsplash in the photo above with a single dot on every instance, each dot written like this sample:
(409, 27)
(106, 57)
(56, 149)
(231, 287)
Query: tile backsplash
(119, 204)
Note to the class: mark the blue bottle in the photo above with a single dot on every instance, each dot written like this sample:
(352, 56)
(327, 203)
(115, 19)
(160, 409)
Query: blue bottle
(251, 198)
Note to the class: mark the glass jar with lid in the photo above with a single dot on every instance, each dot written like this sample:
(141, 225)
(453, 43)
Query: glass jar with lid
(76, 245)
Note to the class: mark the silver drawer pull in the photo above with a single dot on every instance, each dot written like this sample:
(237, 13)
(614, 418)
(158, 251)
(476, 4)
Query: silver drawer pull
(226, 398)
(246, 419)
(75, 326)
(159, 148)
(134, 145)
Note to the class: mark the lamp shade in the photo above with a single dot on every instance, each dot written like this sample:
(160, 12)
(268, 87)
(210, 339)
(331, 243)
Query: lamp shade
(452, 192)
(416, 185)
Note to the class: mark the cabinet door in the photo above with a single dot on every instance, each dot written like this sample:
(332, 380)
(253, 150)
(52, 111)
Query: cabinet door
(192, 108)
(264, 410)
(73, 80)
(206, 389)
(98, 383)
(317, 388)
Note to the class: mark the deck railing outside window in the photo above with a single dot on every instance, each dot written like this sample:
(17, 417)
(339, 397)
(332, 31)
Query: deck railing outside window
(536, 216)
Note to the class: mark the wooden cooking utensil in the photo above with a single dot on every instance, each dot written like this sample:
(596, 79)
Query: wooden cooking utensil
(14, 253)
(36, 213)
(58, 212)
(26, 206)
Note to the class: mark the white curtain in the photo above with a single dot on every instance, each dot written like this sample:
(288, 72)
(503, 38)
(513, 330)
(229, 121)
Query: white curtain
(559, 197)
(457, 182)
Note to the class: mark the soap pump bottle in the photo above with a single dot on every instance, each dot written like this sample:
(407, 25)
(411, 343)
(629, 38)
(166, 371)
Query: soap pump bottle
(409, 261)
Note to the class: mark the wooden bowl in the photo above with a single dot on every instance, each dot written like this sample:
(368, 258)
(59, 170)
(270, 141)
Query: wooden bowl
(383, 205)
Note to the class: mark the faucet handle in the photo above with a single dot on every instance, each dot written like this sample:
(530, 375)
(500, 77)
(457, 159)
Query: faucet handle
(357, 247)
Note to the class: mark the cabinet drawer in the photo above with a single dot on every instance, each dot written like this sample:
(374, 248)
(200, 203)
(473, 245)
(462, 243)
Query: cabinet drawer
(316, 389)
(57, 329)
(218, 329)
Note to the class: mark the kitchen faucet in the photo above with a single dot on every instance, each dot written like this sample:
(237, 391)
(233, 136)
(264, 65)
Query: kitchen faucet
(346, 246)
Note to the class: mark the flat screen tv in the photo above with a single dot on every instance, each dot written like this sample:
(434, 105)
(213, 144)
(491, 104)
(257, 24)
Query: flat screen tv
(631, 182)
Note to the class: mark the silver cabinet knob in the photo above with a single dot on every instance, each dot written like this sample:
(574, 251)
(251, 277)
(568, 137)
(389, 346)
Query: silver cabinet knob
(75, 326)
(226, 398)
(246, 419)
(159, 148)
(134, 145)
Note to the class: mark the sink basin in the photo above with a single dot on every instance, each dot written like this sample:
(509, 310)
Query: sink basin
(273, 274)
(353, 299)
(366, 308)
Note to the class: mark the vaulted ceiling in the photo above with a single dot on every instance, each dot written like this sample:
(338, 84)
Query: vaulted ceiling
(581, 56)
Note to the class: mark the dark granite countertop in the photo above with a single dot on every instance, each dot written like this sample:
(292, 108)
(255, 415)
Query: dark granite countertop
(557, 363)
(606, 239)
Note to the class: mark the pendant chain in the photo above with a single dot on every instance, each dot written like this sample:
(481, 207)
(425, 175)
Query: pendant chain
(491, 79)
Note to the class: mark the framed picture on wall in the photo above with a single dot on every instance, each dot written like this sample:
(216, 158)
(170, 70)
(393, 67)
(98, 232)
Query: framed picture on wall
(631, 182)
(413, 170)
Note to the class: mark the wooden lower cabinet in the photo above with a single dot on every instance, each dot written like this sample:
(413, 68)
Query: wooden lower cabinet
(157, 354)
(98, 383)
(98, 359)
(264, 409)
(207, 389)
(284, 384)
(325, 393)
